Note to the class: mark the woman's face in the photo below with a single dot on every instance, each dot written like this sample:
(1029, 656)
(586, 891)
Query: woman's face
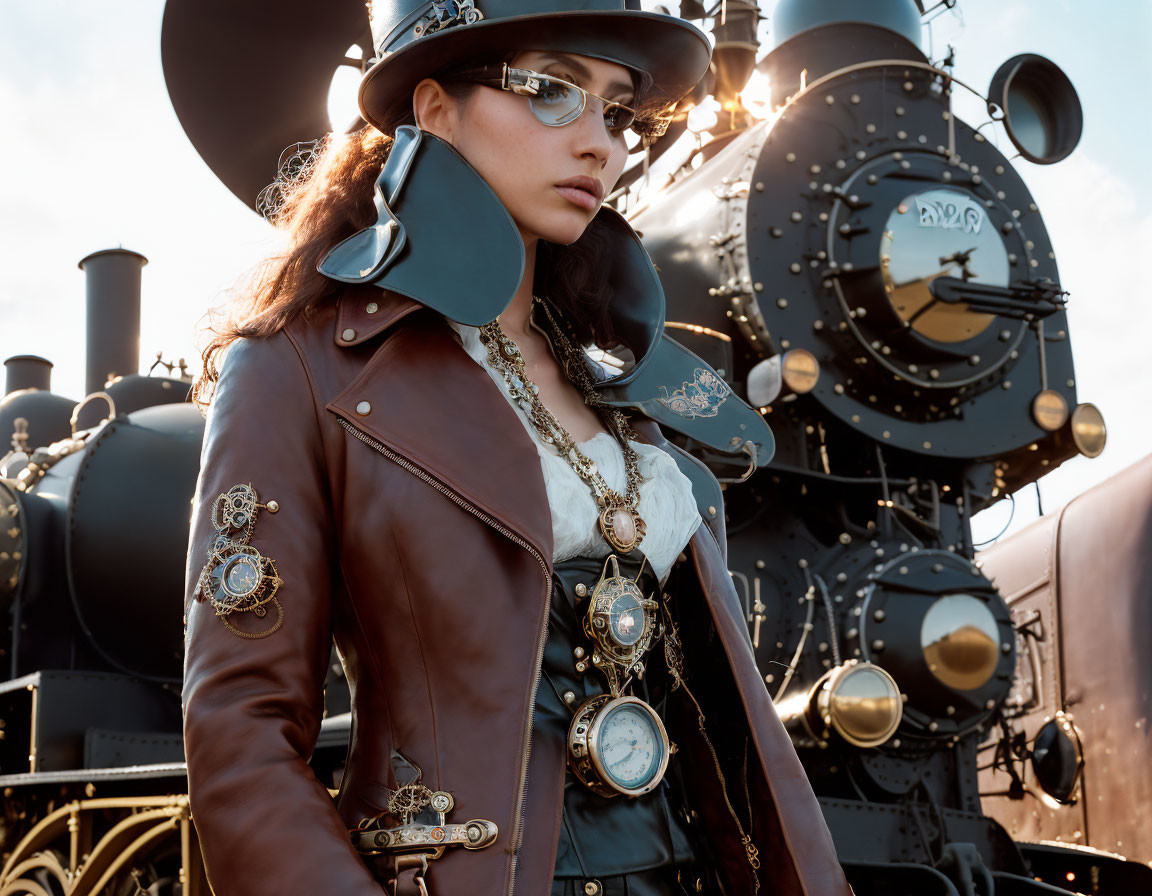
(552, 180)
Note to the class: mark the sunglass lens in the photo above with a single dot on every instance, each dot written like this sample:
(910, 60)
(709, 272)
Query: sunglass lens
(618, 118)
(556, 103)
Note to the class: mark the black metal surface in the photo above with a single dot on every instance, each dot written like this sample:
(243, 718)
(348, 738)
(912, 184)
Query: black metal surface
(1086, 870)
(121, 749)
(791, 18)
(47, 714)
(27, 372)
(48, 417)
(1041, 110)
(177, 772)
(112, 282)
(11, 541)
(127, 537)
(133, 393)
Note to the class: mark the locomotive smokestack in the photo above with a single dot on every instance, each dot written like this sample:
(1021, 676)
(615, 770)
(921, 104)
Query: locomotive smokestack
(113, 300)
(27, 372)
(820, 36)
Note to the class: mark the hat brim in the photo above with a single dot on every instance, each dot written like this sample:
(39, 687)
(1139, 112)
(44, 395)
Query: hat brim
(249, 78)
(673, 53)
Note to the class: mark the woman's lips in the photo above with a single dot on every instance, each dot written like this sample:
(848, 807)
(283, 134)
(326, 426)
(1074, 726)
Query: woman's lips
(586, 192)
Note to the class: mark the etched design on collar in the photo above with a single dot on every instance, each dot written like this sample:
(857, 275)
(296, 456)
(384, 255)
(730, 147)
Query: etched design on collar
(701, 396)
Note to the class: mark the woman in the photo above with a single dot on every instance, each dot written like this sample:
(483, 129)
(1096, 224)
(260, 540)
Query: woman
(552, 685)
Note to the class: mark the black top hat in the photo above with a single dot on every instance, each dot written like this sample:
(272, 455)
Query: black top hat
(415, 38)
(249, 78)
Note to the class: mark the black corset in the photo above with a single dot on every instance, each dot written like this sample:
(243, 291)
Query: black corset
(603, 836)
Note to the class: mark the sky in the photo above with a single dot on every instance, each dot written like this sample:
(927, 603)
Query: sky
(93, 157)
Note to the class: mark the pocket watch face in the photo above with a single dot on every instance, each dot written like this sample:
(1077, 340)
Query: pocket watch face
(626, 619)
(241, 576)
(631, 745)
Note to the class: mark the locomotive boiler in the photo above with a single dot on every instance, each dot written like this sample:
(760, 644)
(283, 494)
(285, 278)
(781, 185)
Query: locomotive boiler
(861, 264)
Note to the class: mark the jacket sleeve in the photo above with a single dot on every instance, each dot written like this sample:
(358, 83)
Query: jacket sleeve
(252, 703)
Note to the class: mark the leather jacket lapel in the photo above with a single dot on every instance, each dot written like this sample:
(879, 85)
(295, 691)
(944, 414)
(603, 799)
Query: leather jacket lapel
(401, 400)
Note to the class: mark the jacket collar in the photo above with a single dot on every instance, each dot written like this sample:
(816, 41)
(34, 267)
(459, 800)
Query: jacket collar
(421, 397)
(366, 311)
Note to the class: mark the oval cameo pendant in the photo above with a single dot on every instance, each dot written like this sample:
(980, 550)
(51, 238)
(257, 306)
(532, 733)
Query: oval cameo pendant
(622, 527)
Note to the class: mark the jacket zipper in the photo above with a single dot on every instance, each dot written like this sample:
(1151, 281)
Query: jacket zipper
(419, 473)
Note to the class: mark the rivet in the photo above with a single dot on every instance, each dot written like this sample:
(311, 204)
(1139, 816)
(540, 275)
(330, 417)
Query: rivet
(273, 506)
(372, 308)
(581, 589)
(711, 510)
(879, 616)
(363, 408)
(348, 335)
(581, 666)
(569, 697)
(878, 646)
(578, 653)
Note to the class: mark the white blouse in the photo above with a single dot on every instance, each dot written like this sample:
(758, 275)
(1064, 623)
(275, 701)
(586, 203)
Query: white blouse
(667, 505)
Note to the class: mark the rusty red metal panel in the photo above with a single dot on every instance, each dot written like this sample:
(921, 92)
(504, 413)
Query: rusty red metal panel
(1084, 575)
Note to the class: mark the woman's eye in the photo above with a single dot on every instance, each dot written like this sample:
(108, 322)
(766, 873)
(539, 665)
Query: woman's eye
(552, 93)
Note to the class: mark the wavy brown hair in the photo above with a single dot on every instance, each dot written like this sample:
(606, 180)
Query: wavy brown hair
(324, 194)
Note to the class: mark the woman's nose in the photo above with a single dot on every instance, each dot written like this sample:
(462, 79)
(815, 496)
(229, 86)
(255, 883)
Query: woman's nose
(593, 137)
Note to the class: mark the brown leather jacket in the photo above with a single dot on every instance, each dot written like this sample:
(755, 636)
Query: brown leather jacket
(413, 527)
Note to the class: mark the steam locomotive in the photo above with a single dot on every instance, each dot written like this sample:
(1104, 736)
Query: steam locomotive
(862, 265)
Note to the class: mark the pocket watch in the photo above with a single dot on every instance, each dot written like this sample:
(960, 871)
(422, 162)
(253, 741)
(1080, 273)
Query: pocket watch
(618, 746)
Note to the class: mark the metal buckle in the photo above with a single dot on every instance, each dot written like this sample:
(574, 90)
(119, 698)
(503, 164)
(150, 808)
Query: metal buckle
(446, 14)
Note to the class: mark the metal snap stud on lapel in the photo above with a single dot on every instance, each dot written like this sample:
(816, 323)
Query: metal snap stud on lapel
(363, 409)
(711, 510)
(348, 335)
(372, 308)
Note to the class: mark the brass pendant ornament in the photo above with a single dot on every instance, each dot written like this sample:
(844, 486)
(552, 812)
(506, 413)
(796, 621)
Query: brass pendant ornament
(622, 527)
(617, 744)
(237, 578)
(622, 623)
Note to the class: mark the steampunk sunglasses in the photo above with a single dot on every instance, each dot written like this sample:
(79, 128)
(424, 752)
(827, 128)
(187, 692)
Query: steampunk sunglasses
(556, 102)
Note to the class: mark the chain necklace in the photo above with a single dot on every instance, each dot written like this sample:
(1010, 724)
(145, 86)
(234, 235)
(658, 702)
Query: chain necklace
(619, 520)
